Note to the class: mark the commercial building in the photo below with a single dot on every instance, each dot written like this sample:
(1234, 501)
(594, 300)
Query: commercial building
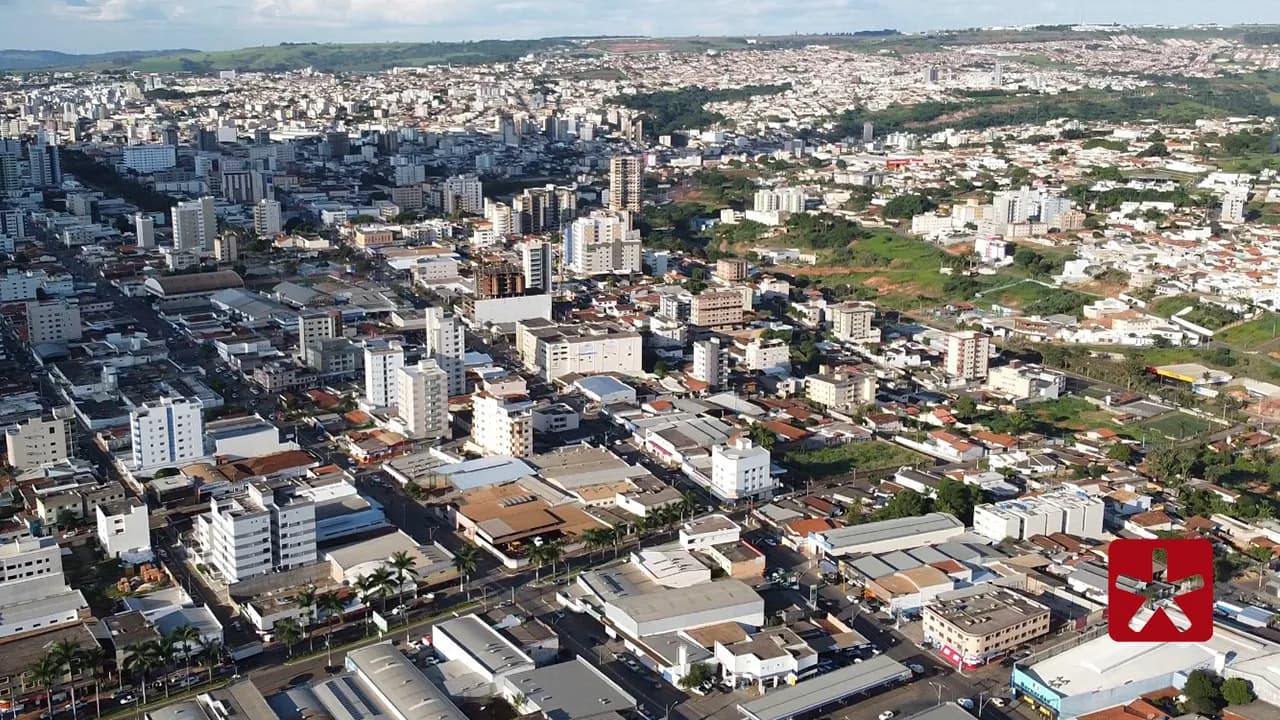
(445, 344)
(422, 400)
(53, 321)
(710, 363)
(572, 690)
(382, 363)
(602, 244)
(582, 349)
(1059, 511)
(626, 176)
(502, 427)
(741, 470)
(462, 194)
(166, 433)
(767, 659)
(41, 440)
(240, 700)
(385, 677)
(716, 308)
(886, 535)
(841, 391)
(472, 643)
(967, 355)
(1026, 383)
(144, 230)
(976, 625)
(270, 527)
(34, 596)
(708, 531)
(852, 322)
(827, 690)
(266, 217)
(124, 529)
(191, 287)
(226, 248)
(146, 159)
(667, 610)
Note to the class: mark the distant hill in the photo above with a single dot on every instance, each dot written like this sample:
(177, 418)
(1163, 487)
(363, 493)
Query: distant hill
(50, 59)
(350, 57)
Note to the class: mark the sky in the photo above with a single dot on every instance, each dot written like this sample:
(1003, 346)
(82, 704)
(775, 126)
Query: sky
(82, 26)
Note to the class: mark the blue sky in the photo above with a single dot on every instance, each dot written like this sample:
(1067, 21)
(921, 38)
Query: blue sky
(102, 25)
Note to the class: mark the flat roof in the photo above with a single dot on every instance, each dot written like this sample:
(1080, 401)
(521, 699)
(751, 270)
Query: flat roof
(669, 602)
(891, 529)
(824, 689)
(983, 610)
(946, 711)
(573, 689)
(489, 648)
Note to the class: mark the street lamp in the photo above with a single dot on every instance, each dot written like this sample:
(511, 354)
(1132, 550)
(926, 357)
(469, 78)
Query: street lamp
(666, 714)
(939, 687)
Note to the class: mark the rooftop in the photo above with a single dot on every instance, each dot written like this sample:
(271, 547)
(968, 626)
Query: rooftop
(806, 695)
(891, 530)
(984, 610)
(669, 602)
(494, 652)
(571, 690)
(401, 685)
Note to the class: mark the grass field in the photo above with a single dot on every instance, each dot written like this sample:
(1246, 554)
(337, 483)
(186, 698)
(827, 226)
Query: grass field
(1177, 425)
(1035, 298)
(1253, 334)
(1169, 306)
(1071, 413)
(844, 459)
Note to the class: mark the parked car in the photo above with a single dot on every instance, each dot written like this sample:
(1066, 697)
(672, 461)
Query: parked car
(965, 703)
(997, 701)
(916, 668)
(885, 715)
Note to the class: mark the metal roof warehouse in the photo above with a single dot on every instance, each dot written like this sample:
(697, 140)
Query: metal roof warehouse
(825, 689)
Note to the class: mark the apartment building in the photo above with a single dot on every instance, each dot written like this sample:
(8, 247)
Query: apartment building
(445, 344)
(382, 364)
(34, 596)
(537, 261)
(716, 308)
(1026, 382)
(602, 244)
(967, 355)
(53, 321)
(626, 176)
(559, 350)
(41, 440)
(852, 322)
(266, 217)
(195, 224)
(769, 356)
(422, 401)
(732, 269)
(710, 363)
(740, 469)
(462, 194)
(502, 427)
(226, 248)
(267, 528)
(167, 433)
(147, 159)
(124, 528)
(316, 326)
(841, 391)
(1061, 510)
(976, 625)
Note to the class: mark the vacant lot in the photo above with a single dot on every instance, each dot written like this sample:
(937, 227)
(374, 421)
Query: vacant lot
(1254, 334)
(844, 459)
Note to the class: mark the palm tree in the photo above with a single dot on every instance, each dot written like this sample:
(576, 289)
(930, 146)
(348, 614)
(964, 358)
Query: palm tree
(67, 655)
(209, 656)
(334, 606)
(367, 588)
(307, 601)
(538, 558)
(465, 562)
(47, 672)
(383, 580)
(596, 539)
(404, 566)
(92, 658)
(166, 647)
(554, 554)
(185, 639)
(289, 632)
(142, 660)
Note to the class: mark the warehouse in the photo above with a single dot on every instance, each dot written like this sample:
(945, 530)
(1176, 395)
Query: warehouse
(470, 641)
(825, 690)
(886, 535)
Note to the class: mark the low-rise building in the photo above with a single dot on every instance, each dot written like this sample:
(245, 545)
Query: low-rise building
(974, 626)
(1062, 510)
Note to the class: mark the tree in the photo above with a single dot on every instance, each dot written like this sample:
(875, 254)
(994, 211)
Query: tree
(597, 538)
(384, 580)
(334, 607)
(1155, 149)
(698, 674)
(660, 369)
(209, 657)
(186, 639)
(544, 554)
(46, 673)
(289, 632)
(404, 566)
(1237, 691)
(67, 654)
(906, 206)
(965, 408)
(141, 660)
(307, 603)
(465, 562)
(1122, 453)
(958, 498)
(92, 659)
(1202, 693)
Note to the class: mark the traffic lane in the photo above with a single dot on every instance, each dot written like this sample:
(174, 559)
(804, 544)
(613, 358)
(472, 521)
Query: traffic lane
(585, 637)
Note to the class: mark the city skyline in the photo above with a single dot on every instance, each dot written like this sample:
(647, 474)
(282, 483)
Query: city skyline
(117, 25)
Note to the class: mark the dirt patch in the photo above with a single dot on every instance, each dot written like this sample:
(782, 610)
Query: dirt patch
(959, 250)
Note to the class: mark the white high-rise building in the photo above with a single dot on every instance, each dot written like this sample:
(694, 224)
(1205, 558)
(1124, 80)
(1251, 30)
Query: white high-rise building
(144, 229)
(150, 158)
(500, 215)
(852, 322)
(266, 217)
(423, 400)
(226, 247)
(463, 193)
(1063, 510)
(195, 224)
(602, 244)
(710, 363)
(968, 355)
(382, 364)
(784, 199)
(538, 260)
(502, 427)
(1234, 204)
(317, 325)
(167, 433)
(41, 440)
(740, 470)
(270, 527)
(626, 178)
(445, 345)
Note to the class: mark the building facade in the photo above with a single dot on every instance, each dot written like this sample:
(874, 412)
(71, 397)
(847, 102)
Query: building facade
(167, 433)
